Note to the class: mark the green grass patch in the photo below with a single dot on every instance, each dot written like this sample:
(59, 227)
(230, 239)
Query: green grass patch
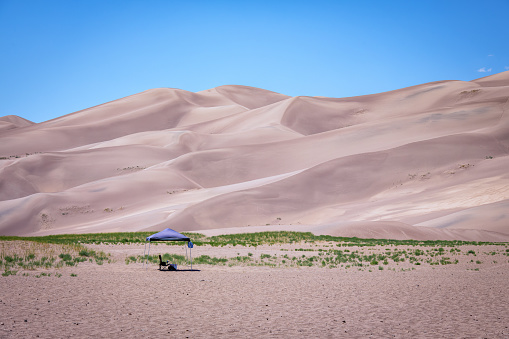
(29, 256)
(332, 252)
(244, 239)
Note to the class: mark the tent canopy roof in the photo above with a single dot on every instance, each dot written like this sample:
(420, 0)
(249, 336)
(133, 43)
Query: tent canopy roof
(168, 235)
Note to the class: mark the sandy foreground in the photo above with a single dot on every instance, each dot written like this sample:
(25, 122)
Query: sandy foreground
(119, 300)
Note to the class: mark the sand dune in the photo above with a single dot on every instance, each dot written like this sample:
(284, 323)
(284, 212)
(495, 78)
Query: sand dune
(424, 162)
(10, 122)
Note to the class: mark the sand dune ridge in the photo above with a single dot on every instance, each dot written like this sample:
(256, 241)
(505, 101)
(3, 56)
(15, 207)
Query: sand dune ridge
(431, 157)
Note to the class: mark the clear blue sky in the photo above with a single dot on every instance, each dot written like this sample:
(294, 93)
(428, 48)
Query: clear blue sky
(58, 57)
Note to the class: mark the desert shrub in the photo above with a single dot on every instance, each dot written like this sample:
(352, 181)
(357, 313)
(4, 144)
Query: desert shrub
(65, 256)
(8, 273)
(207, 260)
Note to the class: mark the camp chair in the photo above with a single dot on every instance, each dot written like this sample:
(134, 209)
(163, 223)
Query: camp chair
(162, 263)
(171, 267)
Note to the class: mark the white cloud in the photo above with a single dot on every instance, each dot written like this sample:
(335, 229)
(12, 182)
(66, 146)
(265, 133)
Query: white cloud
(506, 67)
(484, 70)
(490, 55)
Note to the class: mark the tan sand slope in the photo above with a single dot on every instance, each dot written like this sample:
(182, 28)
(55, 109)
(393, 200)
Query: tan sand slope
(433, 156)
(9, 122)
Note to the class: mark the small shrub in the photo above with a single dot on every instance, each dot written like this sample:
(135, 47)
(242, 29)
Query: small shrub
(8, 273)
(207, 260)
(445, 261)
(86, 253)
(65, 256)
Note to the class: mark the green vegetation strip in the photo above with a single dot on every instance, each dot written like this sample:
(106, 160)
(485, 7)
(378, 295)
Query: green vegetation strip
(244, 239)
(334, 258)
(31, 253)
(33, 259)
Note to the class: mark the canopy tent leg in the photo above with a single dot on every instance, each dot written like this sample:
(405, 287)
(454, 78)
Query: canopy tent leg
(149, 243)
(144, 249)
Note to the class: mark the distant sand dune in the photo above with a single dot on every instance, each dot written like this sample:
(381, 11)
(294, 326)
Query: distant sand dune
(10, 122)
(423, 162)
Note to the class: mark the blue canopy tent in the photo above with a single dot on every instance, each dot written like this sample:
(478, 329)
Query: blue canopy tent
(168, 235)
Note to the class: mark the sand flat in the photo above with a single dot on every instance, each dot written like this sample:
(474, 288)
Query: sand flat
(463, 300)
(107, 301)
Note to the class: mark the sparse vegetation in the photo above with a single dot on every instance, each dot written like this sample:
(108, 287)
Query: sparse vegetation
(359, 257)
(17, 156)
(319, 251)
(30, 255)
(244, 239)
(474, 91)
(132, 168)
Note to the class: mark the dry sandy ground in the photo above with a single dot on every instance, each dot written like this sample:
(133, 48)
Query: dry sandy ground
(118, 300)
(433, 155)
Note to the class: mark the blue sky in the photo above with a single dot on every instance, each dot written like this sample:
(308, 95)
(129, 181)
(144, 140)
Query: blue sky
(58, 57)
